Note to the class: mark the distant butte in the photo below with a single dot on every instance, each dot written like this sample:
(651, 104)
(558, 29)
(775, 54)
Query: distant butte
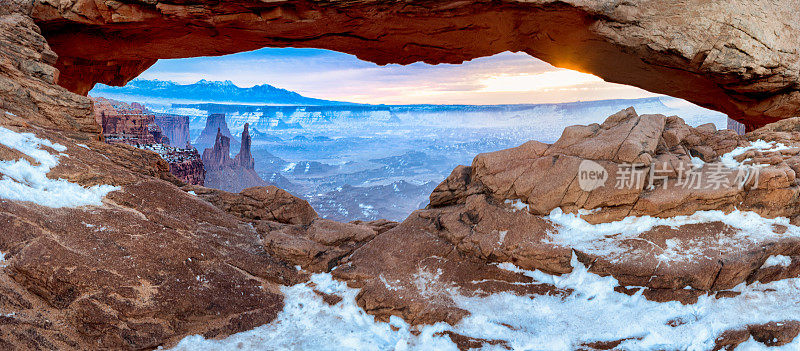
(228, 174)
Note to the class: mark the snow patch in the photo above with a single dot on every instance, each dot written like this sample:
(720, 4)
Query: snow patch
(393, 286)
(308, 323)
(778, 261)
(593, 312)
(517, 204)
(23, 181)
(290, 167)
(604, 238)
(502, 237)
(729, 159)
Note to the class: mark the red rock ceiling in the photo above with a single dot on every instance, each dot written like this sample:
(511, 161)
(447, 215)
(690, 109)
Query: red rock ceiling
(721, 55)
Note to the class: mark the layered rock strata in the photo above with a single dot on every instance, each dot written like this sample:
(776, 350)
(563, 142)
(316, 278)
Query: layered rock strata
(133, 124)
(125, 123)
(184, 163)
(175, 128)
(150, 263)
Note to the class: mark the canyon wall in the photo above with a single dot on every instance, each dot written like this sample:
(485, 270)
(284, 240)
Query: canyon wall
(175, 128)
(134, 125)
(124, 123)
(184, 163)
(739, 57)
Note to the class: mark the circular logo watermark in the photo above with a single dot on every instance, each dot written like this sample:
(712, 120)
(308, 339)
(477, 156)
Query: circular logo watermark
(591, 175)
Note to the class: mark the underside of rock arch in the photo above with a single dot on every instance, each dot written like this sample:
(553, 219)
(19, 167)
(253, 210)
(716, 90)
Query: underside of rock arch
(739, 57)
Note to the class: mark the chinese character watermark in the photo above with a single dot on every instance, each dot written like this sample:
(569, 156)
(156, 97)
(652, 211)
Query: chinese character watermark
(664, 175)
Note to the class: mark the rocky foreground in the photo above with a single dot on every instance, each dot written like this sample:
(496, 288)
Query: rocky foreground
(131, 258)
(640, 233)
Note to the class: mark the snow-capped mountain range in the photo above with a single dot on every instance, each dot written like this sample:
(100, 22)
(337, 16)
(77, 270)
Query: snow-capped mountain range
(207, 91)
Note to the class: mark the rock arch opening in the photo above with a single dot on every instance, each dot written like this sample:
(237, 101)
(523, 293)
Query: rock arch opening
(359, 141)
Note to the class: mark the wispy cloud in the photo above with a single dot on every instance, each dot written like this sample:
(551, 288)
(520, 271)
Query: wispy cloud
(499, 79)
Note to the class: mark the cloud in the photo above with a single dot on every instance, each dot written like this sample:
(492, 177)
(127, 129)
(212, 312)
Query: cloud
(499, 79)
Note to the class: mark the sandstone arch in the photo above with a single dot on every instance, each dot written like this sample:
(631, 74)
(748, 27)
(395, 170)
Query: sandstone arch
(739, 57)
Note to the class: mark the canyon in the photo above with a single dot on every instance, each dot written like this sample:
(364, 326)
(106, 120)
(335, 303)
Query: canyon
(175, 128)
(134, 125)
(104, 248)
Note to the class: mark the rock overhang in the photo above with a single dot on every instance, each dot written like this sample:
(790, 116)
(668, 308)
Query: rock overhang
(717, 55)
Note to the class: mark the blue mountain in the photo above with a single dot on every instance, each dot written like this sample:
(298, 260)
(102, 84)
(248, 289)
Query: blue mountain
(210, 91)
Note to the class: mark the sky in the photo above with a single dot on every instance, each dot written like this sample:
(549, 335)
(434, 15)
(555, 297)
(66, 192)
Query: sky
(500, 79)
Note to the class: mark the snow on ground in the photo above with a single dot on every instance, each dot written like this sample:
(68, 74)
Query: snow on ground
(759, 145)
(308, 323)
(752, 345)
(574, 231)
(517, 205)
(24, 181)
(594, 312)
(778, 261)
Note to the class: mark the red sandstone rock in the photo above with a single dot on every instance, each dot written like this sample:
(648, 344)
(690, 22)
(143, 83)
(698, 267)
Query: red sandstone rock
(378, 225)
(28, 90)
(244, 159)
(134, 125)
(318, 246)
(186, 165)
(546, 176)
(260, 203)
(769, 334)
(218, 157)
(416, 279)
(128, 124)
(175, 128)
(106, 285)
(721, 55)
(154, 264)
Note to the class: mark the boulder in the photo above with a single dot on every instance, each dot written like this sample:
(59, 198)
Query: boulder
(260, 203)
(151, 266)
(635, 165)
